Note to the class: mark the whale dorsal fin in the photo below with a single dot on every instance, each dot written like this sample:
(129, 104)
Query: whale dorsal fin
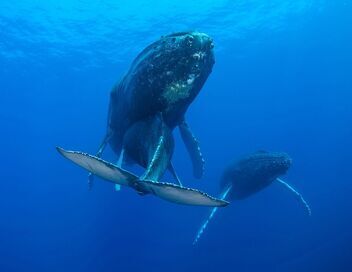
(193, 149)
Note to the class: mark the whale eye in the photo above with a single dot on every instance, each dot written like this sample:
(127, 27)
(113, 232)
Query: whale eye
(189, 38)
(211, 45)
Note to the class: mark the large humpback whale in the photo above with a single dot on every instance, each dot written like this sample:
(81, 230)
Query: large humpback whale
(152, 99)
(145, 106)
(251, 174)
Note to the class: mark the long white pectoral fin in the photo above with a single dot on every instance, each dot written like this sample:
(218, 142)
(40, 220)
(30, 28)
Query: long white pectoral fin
(297, 194)
(192, 146)
(99, 167)
(211, 215)
(181, 195)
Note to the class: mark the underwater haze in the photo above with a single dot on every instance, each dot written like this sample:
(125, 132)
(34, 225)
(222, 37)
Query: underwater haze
(282, 81)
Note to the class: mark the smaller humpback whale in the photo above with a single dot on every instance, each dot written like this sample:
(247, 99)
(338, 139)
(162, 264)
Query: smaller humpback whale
(251, 174)
(168, 191)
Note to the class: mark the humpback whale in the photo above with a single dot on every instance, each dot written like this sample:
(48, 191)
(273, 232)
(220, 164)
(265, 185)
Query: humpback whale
(152, 99)
(251, 174)
(145, 107)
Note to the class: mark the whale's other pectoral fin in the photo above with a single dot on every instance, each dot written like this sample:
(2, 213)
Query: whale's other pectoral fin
(98, 154)
(297, 194)
(193, 149)
(180, 195)
(211, 215)
(173, 172)
(120, 165)
(99, 167)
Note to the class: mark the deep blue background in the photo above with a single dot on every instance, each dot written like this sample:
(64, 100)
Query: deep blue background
(291, 92)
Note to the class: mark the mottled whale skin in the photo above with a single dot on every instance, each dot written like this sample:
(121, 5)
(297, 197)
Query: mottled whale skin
(253, 173)
(145, 107)
(155, 94)
(164, 78)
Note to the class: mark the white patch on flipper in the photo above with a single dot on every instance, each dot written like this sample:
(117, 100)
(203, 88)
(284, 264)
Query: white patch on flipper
(297, 194)
(181, 195)
(212, 213)
(99, 167)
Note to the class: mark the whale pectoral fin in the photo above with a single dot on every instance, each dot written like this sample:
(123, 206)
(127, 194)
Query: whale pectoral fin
(193, 149)
(99, 167)
(120, 161)
(181, 195)
(211, 215)
(160, 151)
(297, 194)
(173, 172)
(98, 154)
(156, 165)
(119, 164)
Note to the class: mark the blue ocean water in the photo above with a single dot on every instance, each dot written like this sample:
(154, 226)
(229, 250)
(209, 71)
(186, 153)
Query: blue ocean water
(282, 81)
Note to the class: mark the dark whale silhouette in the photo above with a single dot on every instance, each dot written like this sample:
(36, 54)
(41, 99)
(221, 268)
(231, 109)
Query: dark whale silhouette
(145, 107)
(251, 174)
(152, 99)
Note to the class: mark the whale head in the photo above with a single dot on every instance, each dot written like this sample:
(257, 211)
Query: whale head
(254, 172)
(270, 164)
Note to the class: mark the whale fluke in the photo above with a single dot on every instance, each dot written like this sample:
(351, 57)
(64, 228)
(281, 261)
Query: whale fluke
(168, 191)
